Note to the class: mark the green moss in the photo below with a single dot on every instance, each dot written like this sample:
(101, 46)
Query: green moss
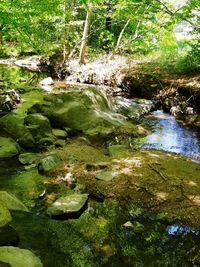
(28, 100)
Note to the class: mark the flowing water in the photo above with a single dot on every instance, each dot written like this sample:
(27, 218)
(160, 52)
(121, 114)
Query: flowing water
(170, 135)
(101, 236)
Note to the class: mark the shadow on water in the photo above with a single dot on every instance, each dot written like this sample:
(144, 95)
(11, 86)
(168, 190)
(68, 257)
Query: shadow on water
(172, 136)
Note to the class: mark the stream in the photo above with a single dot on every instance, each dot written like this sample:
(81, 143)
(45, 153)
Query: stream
(171, 135)
(106, 234)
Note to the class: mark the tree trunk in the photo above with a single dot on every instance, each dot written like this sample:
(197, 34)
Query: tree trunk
(85, 37)
(108, 4)
(115, 51)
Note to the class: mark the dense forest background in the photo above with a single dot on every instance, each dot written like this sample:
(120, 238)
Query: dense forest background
(162, 30)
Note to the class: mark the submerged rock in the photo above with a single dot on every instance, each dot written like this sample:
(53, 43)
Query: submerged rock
(71, 204)
(17, 257)
(11, 202)
(5, 216)
(8, 148)
(49, 163)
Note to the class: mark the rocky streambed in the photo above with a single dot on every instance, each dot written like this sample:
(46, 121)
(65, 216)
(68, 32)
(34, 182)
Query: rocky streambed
(79, 188)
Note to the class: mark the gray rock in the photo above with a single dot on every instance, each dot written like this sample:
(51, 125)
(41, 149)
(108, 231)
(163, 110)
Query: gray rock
(47, 81)
(69, 204)
(17, 257)
(8, 148)
(9, 100)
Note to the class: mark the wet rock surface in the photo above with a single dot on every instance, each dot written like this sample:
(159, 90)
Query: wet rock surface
(70, 205)
(17, 257)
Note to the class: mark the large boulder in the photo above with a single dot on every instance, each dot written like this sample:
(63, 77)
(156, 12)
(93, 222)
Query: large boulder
(13, 125)
(88, 111)
(17, 257)
(71, 204)
(8, 148)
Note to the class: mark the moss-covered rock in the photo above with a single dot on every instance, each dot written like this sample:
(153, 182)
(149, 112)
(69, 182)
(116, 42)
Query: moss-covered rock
(88, 111)
(49, 163)
(14, 127)
(69, 204)
(8, 148)
(11, 202)
(38, 125)
(5, 216)
(17, 257)
(29, 158)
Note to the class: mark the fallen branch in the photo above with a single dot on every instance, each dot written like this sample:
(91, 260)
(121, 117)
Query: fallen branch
(158, 172)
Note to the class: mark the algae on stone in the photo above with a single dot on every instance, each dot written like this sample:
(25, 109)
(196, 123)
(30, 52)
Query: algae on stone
(11, 202)
(17, 257)
(5, 216)
(69, 204)
(13, 125)
(88, 111)
(8, 148)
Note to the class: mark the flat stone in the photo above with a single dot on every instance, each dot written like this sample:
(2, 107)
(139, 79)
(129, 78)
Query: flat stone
(107, 175)
(69, 204)
(11, 202)
(17, 257)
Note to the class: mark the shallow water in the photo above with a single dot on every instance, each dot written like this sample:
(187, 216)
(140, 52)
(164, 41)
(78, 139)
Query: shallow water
(172, 136)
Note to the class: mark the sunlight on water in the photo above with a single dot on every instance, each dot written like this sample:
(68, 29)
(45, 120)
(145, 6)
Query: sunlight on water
(172, 136)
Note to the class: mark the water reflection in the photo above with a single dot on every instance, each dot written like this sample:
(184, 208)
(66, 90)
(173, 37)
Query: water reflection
(15, 77)
(170, 135)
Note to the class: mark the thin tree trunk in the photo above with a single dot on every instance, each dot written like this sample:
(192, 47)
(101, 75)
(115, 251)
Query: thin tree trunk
(108, 4)
(115, 51)
(85, 37)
